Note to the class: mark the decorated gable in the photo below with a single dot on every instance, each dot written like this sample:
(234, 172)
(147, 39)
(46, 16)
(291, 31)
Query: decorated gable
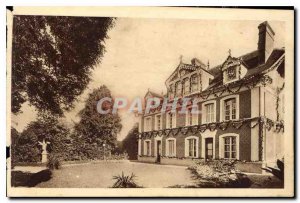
(233, 69)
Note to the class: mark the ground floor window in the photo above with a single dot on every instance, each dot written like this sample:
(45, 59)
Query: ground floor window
(171, 147)
(147, 148)
(230, 147)
(191, 146)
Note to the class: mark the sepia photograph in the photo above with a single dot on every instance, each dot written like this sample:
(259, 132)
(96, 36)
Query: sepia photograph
(150, 102)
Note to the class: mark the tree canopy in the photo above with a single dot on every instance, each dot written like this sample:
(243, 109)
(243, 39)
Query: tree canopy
(52, 58)
(95, 129)
(25, 145)
(130, 142)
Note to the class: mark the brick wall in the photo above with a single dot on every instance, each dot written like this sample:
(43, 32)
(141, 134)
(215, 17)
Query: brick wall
(244, 132)
(245, 141)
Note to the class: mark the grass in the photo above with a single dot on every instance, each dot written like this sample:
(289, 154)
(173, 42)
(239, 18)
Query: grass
(100, 175)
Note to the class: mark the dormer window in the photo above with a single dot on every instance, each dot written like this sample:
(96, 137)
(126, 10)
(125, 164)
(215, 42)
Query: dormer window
(182, 73)
(178, 87)
(171, 91)
(233, 70)
(231, 73)
(186, 88)
(194, 83)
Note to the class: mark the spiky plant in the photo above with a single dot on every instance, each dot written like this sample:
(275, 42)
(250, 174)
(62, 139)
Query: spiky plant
(125, 181)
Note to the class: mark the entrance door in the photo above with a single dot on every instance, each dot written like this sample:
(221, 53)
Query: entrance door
(209, 150)
(158, 151)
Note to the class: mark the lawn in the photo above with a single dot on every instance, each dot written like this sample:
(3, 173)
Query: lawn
(99, 175)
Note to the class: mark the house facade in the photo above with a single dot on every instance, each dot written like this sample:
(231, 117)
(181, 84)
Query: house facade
(240, 111)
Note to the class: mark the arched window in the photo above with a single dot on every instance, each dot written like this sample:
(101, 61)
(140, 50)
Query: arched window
(194, 83)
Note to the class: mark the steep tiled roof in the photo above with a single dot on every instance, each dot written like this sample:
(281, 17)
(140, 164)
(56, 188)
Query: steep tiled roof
(251, 63)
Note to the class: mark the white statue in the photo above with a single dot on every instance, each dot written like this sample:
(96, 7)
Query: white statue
(44, 152)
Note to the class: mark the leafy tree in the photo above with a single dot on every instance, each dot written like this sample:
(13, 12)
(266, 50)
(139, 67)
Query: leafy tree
(52, 59)
(130, 142)
(27, 148)
(95, 129)
(15, 135)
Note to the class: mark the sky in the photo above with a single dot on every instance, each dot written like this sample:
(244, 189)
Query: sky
(142, 53)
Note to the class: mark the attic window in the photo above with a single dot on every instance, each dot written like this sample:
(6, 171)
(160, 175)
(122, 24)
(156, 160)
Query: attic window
(231, 73)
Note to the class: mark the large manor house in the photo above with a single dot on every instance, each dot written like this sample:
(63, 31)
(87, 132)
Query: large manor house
(242, 111)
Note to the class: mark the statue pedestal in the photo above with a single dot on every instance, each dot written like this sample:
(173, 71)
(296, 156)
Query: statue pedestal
(44, 157)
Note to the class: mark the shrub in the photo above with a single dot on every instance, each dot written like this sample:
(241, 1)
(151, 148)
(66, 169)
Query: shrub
(218, 173)
(123, 181)
(53, 162)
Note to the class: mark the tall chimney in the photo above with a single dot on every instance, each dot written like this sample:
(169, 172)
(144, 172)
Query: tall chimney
(265, 41)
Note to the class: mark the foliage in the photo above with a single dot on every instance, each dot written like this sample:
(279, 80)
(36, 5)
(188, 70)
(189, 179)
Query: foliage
(123, 181)
(130, 143)
(52, 59)
(218, 173)
(24, 147)
(27, 149)
(54, 161)
(14, 142)
(117, 156)
(95, 135)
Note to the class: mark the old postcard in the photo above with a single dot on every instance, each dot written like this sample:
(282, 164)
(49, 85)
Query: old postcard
(150, 102)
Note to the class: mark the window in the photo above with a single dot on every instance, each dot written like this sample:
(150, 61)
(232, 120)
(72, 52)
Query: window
(148, 124)
(171, 91)
(210, 112)
(158, 122)
(147, 148)
(191, 118)
(171, 120)
(194, 83)
(171, 147)
(230, 109)
(191, 146)
(231, 73)
(229, 147)
(186, 89)
(178, 87)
